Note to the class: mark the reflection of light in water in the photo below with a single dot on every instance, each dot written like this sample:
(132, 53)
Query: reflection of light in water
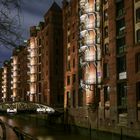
(10, 121)
(47, 138)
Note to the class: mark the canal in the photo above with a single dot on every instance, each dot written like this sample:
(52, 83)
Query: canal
(43, 130)
(38, 128)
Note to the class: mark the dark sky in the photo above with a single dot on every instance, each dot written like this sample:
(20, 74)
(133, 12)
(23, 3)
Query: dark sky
(31, 13)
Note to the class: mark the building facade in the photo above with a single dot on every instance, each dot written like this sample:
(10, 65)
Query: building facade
(46, 59)
(19, 74)
(108, 63)
(121, 64)
(82, 60)
(6, 81)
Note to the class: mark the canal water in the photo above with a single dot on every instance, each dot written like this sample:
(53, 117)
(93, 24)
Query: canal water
(43, 130)
(38, 128)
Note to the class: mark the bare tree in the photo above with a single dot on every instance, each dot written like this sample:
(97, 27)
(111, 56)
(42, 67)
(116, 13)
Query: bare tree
(10, 33)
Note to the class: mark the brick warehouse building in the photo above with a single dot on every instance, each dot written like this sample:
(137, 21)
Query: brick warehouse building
(113, 98)
(46, 59)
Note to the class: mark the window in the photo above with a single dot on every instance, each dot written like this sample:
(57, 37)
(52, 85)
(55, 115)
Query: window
(68, 39)
(39, 87)
(47, 33)
(73, 35)
(106, 31)
(68, 80)
(39, 59)
(121, 45)
(138, 36)
(39, 41)
(80, 99)
(39, 68)
(39, 77)
(121, 64)
(120, 8)
(105, 15)
(122, 94)
(138, 91)
(73, 49)
(106, 70)
(39, 50)
(68, 51)
(73, 101)
(68, 99)
(120, 27)
(73, 78)
(138, 15)
(106, 93)
(74, 63)
(105, 1)
(106, 48)
(68, 66)
(137, 62)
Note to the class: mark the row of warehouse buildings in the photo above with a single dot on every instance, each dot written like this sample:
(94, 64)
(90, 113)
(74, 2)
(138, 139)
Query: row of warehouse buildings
(84, 57)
